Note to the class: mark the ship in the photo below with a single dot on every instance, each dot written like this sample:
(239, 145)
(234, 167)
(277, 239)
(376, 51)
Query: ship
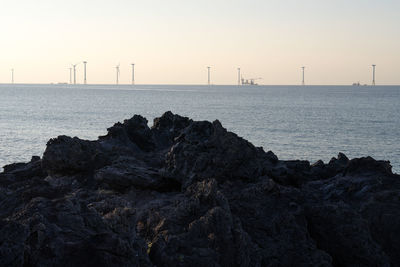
(250, 81)
(358, 84)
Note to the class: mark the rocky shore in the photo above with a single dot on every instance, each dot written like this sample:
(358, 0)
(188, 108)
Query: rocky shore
(190, 193)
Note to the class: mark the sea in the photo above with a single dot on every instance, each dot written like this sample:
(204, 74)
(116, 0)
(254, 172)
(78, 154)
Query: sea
(295, 122)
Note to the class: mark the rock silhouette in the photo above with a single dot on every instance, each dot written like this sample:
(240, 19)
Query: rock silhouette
(190, 193)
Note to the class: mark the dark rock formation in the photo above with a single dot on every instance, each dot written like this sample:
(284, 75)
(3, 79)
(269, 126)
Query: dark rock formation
(190, 193)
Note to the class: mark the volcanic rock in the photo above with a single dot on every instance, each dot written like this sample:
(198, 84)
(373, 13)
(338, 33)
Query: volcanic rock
(191, 193)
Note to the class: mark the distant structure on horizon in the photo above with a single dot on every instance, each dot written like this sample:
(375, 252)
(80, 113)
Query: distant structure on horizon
(209, 81)
(133, 74)
(239, 76)
(74, 67)
(373, 74)
(84, 72)
(117, 70)
(250, 81)
(240, 79)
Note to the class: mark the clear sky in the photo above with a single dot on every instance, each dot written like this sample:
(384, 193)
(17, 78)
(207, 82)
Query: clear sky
(172, 42)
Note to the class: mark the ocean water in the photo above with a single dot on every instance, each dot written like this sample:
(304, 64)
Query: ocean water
(295, 122)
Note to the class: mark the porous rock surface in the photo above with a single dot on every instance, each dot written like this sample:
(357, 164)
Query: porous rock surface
(190, 193)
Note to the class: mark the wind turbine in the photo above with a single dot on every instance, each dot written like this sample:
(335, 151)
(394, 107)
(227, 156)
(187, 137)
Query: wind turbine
(373, 74)
(209, 80)
(133, 74)
(239, 76)
(117, 69)
(12, 75)
(84, 72)
(74, 67)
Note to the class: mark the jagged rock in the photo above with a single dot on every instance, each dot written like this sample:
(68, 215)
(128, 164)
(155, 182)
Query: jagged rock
(354, 215)
(122, 178)
(68, 155)
(22, 171)
(12, 243)
(168, 127)
(190, 193)
(274, 218)
(196, 229)
(206, 149)
(343, 233)
(340, 162)
(368, 165)
(134, 130)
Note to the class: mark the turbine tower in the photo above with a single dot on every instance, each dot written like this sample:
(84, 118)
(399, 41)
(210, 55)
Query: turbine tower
(133, 74)
(117, 70)
(208, 75)
(74, 67)
(84, 72)
(239, 76)
(373, 74)
(12, 75)
(303, 81)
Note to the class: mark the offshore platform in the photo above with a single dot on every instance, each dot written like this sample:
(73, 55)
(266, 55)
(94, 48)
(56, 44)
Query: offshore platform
(250, 81)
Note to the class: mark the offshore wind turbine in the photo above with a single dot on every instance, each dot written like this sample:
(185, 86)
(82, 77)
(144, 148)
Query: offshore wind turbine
(209, 75)
(373, 74)
(133, 74)
(303, 81)
(117, 70)
(84, 72)
(74, 67)
(239, 76)
(12, 75)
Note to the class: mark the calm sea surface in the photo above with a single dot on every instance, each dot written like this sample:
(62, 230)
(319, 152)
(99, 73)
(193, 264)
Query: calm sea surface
(311, 122)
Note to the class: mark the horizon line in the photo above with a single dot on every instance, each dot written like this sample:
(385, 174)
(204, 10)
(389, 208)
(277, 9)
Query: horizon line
(192, 84)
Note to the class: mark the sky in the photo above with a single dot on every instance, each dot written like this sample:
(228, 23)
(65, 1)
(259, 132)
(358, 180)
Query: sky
(172, 42)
